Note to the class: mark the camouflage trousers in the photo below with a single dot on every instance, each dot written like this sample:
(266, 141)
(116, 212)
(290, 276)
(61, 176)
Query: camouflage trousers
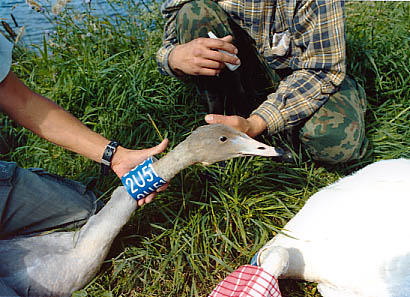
(333, 134)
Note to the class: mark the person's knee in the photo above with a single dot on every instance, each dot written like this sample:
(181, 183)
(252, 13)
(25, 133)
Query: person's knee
(196, 18)
(335, 148)
(336, 132)
(334, 138)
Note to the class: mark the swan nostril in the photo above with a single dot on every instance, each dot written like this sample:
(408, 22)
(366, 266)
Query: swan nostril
(261, 148)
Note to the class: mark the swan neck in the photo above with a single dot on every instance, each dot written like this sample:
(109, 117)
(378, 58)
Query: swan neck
(174, 162)
(101, 229)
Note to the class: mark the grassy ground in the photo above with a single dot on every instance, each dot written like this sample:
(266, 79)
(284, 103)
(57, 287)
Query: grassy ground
(196, 232)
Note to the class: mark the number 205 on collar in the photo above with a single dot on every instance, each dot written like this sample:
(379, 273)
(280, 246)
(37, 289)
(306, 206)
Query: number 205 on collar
(142, 180)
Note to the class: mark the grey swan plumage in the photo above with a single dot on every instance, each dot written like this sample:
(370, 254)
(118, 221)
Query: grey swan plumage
(59, 263)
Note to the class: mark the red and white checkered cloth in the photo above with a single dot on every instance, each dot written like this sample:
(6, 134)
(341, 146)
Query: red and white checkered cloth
(248, 280)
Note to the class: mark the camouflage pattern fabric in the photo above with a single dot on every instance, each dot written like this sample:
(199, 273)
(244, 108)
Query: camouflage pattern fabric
(242, 90)
(196, 18)
(334, 134)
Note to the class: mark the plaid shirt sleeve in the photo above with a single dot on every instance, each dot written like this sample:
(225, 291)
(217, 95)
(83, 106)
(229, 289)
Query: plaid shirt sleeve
(318, 60)
(169, 10)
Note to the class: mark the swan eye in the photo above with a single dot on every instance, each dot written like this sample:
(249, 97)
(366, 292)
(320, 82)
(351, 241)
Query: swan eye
(223, 138)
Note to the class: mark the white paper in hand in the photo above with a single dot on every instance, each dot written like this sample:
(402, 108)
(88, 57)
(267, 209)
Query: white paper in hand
(231, 67)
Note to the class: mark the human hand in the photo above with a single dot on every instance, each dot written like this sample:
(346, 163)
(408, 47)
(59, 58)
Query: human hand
(200, 56)
(252, 126)
(125, 160)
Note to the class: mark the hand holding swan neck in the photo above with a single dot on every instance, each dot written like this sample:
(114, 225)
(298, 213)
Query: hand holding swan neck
(174, 162)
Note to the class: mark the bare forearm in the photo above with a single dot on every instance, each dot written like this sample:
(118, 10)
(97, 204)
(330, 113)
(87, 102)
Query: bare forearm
(63, 129)
(48, 120)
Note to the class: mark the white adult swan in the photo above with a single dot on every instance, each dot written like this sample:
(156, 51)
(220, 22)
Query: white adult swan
(353, 237)
(59, 263)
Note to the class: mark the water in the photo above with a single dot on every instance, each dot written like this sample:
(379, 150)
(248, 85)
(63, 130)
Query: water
(36, 24)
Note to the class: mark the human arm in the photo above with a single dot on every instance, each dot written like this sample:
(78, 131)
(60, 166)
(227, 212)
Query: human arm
(316, 58)
(51, 122)
(285, 108)
(199, 56)
(253, 125)
(196, 57)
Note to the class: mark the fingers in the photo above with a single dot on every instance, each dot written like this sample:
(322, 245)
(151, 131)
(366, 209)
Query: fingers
(155, 150)
(227, 38)
(222, 57)
(203, 56)
(145, 153)
(253, 126)
(158, 148)
(147, 199)
(208, 60)
(214, 119)
(237, 122)
(221, 119)
(213, 53)
(163, 188)
(192, 58)
(217, 45)
(224, 43)
(151, 196)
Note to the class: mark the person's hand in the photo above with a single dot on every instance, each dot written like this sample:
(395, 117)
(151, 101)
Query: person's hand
(125, 160)
(253, 126)
(200, 56)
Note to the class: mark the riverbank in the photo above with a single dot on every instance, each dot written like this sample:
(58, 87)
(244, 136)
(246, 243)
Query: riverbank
(37, 19)
(194, 233)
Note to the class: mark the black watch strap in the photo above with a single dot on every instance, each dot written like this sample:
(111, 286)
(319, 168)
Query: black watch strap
(107, 157)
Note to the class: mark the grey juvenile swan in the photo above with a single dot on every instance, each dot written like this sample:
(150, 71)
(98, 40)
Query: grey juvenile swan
(59, 263)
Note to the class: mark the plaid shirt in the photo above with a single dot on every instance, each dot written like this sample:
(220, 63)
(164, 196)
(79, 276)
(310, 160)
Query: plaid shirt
(316, 52)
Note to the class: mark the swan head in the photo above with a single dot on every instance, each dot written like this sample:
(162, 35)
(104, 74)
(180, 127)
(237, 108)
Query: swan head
(216, 142)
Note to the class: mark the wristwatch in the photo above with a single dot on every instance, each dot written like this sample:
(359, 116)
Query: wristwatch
(107, 157)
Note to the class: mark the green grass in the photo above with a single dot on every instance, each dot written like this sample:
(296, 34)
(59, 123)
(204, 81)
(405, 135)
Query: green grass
(182, 244)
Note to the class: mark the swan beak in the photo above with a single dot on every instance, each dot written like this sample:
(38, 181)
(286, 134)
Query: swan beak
(252, 147)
